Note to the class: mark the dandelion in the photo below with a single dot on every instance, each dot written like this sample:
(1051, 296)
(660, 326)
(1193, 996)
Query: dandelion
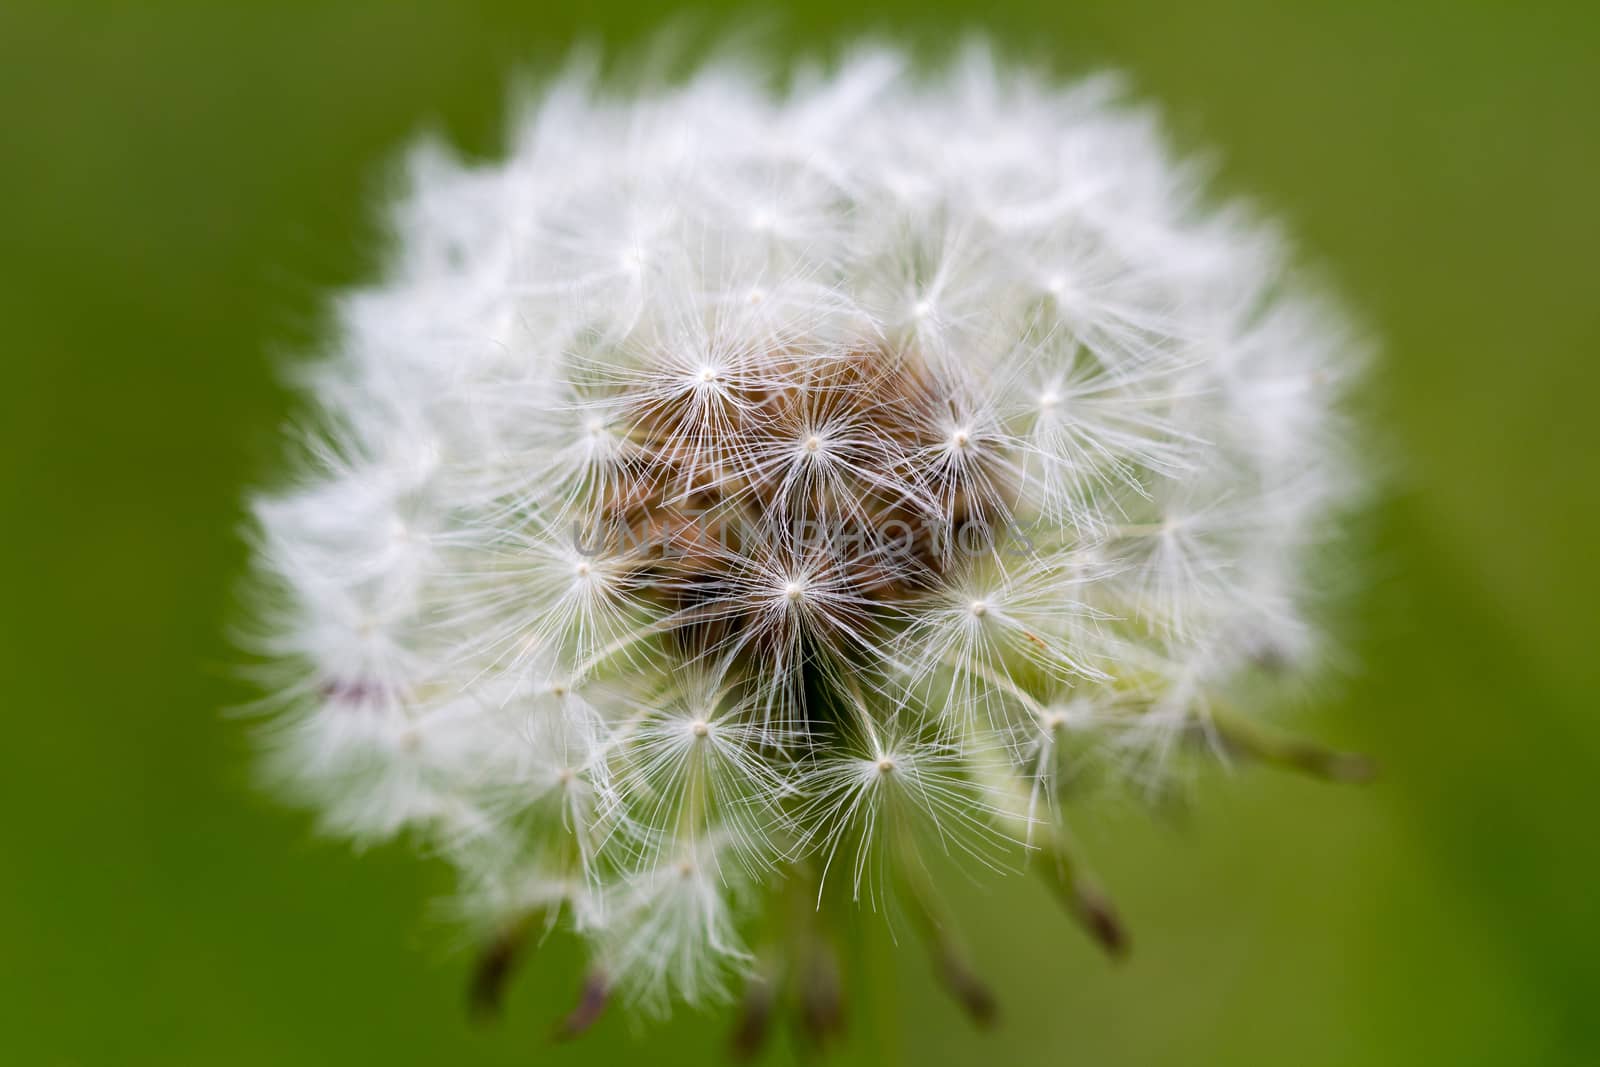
(737, 497)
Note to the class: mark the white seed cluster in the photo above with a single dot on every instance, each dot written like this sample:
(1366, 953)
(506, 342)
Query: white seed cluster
(733, 487)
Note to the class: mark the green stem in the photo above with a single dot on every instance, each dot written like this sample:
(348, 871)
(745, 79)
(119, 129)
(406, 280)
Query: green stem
(1248, 737)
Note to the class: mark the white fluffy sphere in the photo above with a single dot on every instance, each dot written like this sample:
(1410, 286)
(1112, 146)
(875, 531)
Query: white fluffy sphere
(732, 487)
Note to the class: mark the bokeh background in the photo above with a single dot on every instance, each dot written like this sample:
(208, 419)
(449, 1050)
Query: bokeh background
(182, 183)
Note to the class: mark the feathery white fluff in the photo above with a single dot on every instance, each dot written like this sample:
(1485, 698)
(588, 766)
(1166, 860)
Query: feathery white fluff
(731, 485)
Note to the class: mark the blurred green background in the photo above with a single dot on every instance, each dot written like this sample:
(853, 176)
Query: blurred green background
(182, 183)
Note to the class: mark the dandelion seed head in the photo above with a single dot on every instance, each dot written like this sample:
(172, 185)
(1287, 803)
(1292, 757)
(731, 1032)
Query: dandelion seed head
(732, 486)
